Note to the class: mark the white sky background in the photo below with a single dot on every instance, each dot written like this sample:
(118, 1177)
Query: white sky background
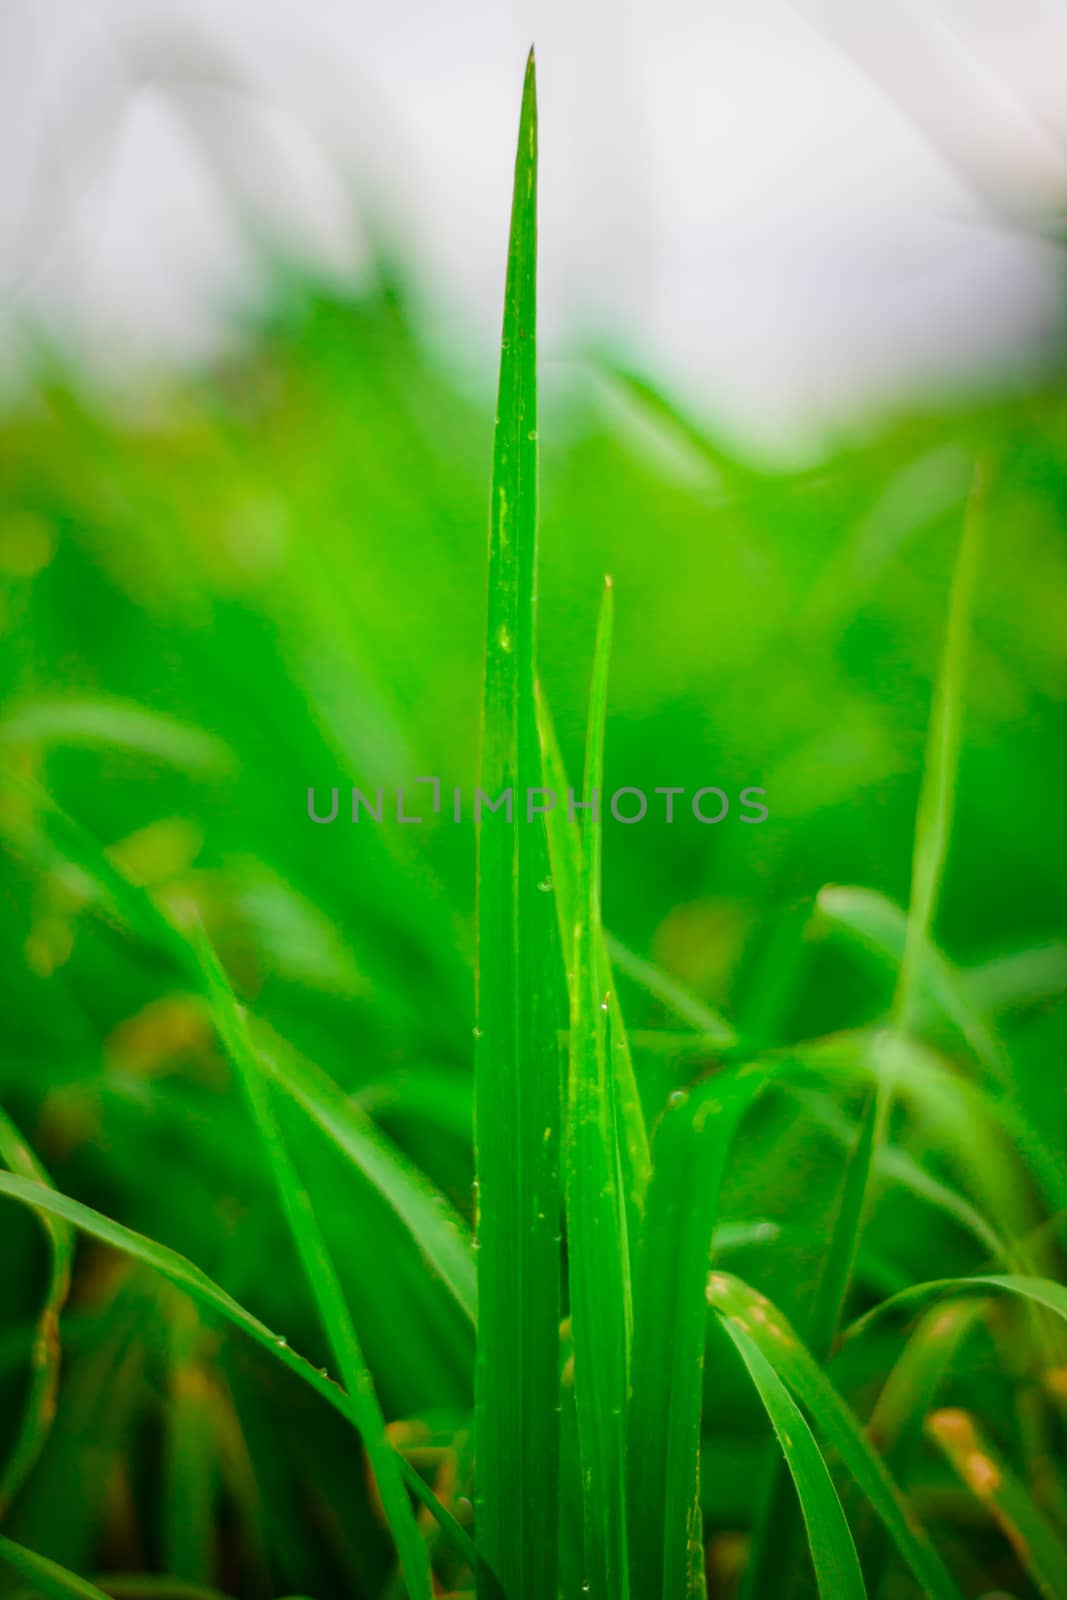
(781, 206)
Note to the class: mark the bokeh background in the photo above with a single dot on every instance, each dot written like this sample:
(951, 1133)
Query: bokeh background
(786, 204)
(800, 272)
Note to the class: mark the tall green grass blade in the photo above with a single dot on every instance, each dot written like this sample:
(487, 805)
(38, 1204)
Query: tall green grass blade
(185, 1275)
(670, 1324)
(596, 1217)
(833, 1551)
(933, 826)
(1041, 1551)
(565, 851)
(42, 1389)
(517, 1065)
(835, 1423)
(322, 1277)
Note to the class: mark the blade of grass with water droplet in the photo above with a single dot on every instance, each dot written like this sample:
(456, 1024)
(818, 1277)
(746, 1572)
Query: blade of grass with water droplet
(517, 1061)
(597, 1248)
(43, 1386)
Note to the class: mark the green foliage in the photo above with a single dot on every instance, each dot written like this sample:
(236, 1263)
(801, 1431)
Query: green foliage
(479, 1115)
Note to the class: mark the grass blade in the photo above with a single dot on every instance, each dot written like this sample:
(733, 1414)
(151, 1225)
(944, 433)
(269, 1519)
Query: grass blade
(1040, 1550)
(933, 826)
(43, 1384)
(322, 1278)
(1041, 1292)
(596, 1216)
(47, 1577)
(438, 1230)
(185, 1275)
(932, 829)
(191, 1475)
(517, 1063)
(833, 1552)
(565, 850)
(835, 1422)
(713, 1028)
(670, 1325)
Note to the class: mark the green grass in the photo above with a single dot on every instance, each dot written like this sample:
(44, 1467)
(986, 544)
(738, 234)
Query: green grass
(546, 1207)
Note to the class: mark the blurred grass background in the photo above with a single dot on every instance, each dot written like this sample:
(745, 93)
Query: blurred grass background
(271, 574)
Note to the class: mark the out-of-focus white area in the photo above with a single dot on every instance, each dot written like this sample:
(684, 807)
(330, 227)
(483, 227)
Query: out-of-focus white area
(782, 208)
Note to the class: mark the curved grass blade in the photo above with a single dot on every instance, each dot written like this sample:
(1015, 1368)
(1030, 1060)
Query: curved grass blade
(596, 1216)
(47, 1577)
(153, 1586)
(438, 1230)
(117, 724)
(40, 1405)
(835, 1422)
(833, 1552)
(670, 1326)
(1041, 1292)
(517, 1059)
(896, 1164)
(185, 1275)
(908, 1392)
(322, 1277)
(1040, 1550)
(778, 1529)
